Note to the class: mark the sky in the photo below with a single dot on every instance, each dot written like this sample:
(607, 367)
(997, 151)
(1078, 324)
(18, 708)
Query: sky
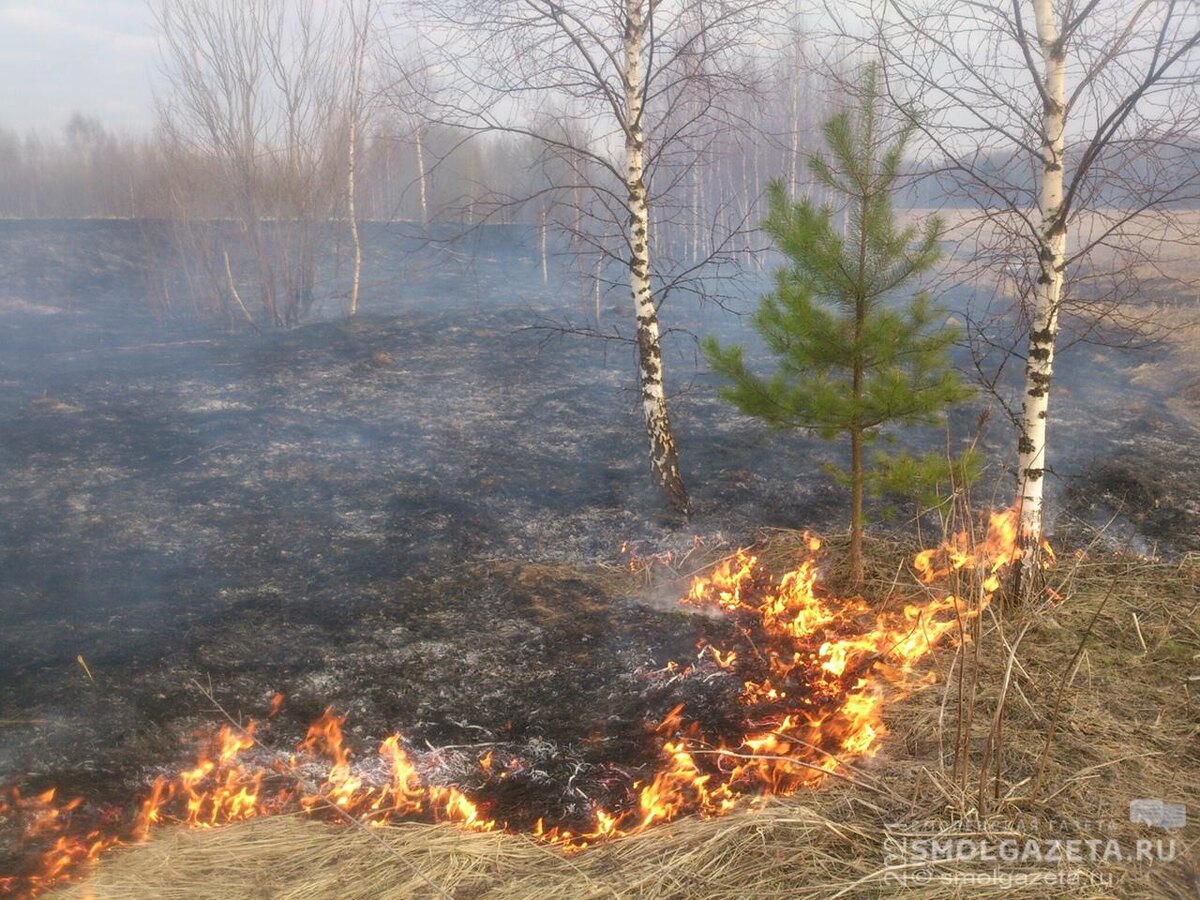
(61, 56)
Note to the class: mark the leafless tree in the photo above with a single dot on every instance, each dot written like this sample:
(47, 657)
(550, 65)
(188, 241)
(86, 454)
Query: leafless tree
(1072, 126)
(361, 16)
(259, 88)
(409, 88)
(623, 97)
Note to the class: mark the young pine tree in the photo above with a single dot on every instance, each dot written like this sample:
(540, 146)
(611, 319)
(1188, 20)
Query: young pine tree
(853, 356)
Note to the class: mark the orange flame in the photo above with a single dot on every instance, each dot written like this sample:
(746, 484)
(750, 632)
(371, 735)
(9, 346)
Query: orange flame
(813, 692)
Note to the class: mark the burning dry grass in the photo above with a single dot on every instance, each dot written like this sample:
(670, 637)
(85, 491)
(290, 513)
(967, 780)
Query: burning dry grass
(1126, 728)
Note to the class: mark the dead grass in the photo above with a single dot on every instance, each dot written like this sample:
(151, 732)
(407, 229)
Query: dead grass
(1128, 728)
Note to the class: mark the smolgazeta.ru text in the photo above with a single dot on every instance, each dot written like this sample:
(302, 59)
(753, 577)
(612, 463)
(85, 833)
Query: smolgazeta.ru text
(1030, 851)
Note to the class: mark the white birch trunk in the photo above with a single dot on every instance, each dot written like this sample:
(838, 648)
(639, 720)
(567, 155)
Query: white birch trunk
(545, 264)
(695, 203)
(1052, 239)
(351, 172)
(758, 260)
(421, 176)
(746, 195)
(664, 459)
(596, 286)
(794, 155)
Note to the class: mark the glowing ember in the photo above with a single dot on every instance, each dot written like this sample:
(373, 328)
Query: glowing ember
(815, 673)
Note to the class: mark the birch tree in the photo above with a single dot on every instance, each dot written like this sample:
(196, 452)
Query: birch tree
(408, 87)
(615, 70)
(664, 458)
(1051, 81)
(1066, 123)
(361, 23)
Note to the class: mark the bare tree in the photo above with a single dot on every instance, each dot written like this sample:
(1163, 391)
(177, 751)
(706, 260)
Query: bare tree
(258, 87)
(410, 86)
(623, 97)
(361, 17)
(1072, 125)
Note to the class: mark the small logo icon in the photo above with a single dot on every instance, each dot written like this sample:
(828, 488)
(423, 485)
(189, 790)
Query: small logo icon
(1157, 813)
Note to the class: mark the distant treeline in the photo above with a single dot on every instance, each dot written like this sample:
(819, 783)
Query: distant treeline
(88, 171)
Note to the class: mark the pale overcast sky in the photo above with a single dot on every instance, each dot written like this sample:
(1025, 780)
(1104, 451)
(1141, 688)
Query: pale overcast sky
(59, 56)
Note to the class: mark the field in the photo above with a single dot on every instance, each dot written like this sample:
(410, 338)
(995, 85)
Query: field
(417, 517)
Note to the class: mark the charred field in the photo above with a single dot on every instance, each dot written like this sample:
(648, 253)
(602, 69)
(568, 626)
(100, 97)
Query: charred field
(416, 518)
(364, 515)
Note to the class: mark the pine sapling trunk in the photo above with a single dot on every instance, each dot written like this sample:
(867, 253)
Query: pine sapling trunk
(664, 459)
(860, 317)
(1044, 316)
(856, 452)
(856, 507)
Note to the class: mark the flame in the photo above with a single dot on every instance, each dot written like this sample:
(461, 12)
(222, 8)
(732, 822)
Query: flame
(51, 826)
(815, 682)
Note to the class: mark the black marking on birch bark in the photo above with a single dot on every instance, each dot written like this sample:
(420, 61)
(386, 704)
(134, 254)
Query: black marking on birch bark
(1039, 353)
(1043, 336)
(1025, 444)
(1034, 474)
(1041, 384)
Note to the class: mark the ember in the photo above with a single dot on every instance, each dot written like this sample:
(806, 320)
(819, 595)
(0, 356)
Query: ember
(815, 673)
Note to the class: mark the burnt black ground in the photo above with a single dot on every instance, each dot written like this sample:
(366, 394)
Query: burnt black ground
(343, 512)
